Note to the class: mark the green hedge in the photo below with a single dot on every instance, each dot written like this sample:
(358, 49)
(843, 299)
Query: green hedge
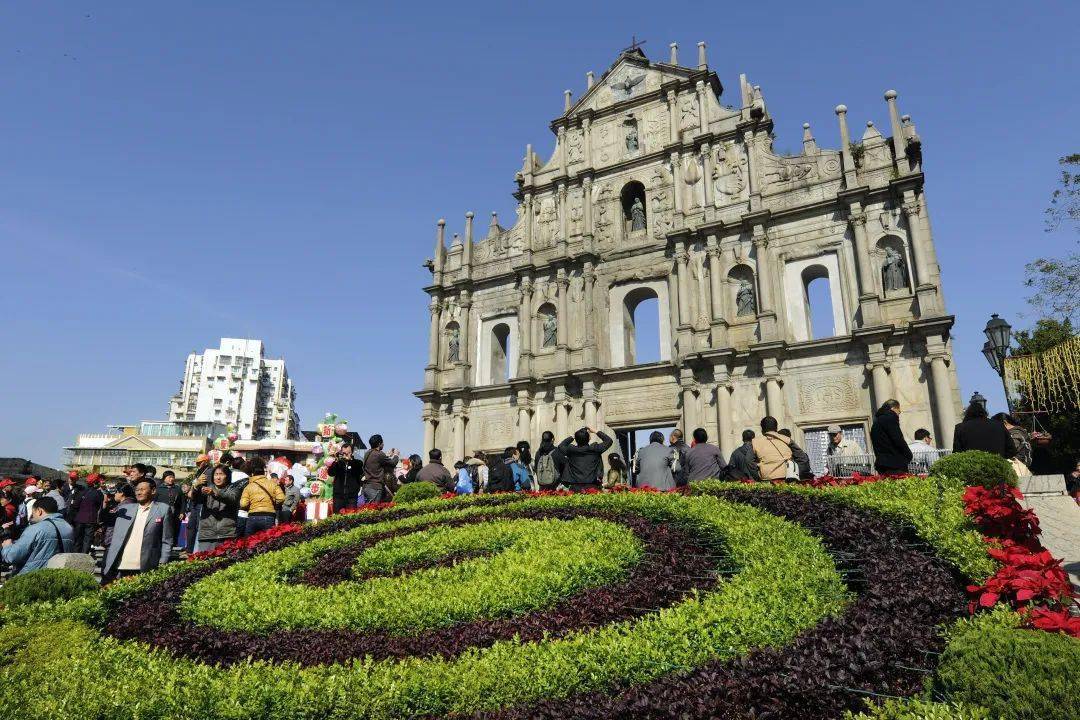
(531, 571)
(415, 492)
(976, 467)
(749, 609)
(1018, 674)
(933, 506)
(918, 709)
(47, 584)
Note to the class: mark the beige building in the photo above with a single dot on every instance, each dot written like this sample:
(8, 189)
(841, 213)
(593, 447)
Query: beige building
(658, 190)
(166, 445)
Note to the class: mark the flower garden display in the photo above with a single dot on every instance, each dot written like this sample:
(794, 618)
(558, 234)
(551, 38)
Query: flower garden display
(730, 600)
(331, 431)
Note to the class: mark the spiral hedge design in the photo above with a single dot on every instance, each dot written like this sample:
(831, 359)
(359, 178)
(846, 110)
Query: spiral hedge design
(729, 602)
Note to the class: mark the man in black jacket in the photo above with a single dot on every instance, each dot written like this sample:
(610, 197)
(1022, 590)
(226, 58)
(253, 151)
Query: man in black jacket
(742, 465)
(348, 474)
(891, 452)
(171, 494)
(584, 462)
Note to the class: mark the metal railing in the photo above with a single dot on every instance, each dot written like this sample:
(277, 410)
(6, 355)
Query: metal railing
(847, 465)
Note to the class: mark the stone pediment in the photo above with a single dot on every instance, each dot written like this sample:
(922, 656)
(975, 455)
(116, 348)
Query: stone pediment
(630, 77)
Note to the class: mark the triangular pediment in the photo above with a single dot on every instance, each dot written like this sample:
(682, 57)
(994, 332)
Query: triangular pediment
(132, 442)
(630, 76)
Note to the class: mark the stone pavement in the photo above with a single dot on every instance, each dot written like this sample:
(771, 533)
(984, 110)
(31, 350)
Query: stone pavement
(1059, 518)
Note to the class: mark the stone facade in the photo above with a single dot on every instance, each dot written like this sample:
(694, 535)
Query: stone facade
(657, 190)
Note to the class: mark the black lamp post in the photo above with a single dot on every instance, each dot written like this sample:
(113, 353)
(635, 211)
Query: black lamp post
(996, 349)
(977, 399)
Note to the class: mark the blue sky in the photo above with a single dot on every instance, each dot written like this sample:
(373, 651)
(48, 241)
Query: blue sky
(171, 173)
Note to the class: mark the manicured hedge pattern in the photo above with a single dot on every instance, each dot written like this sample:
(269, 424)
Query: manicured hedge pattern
(677, 564)
(879, 644)
(749, 609)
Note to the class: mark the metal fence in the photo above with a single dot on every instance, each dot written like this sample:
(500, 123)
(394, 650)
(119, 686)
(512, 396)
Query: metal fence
(847, 465)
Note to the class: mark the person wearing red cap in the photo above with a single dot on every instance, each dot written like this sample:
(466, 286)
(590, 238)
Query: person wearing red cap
(8, 508)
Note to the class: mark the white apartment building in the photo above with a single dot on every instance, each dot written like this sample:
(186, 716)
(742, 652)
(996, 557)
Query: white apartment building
(237, 384)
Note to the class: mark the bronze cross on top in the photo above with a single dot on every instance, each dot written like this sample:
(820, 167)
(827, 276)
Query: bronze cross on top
(634, 44)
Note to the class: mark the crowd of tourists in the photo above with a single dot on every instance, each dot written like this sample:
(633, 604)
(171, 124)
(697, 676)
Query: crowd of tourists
(141, 521)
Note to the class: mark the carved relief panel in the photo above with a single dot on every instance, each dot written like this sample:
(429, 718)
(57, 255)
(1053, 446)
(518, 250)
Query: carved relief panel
(831, 394)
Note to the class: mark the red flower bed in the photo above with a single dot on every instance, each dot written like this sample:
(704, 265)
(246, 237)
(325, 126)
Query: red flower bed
(251, 541)
(1030, 579)
(998, 514)
(856, 478)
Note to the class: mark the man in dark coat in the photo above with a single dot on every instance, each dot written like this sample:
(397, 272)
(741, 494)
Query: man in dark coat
(584, 462)
(742, 465)
(979, 432)
(85, 518)
(891, 452)
(379, 481)
(348, 474)
(435, 472)
(678, 444)
(171, 494)
(704, 460)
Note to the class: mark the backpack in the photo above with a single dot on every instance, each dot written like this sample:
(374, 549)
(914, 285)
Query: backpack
(500, 477)
(546, 472)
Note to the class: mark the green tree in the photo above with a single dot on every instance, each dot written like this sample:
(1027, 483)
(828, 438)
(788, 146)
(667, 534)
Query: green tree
(1065, 200)
(1064, 427)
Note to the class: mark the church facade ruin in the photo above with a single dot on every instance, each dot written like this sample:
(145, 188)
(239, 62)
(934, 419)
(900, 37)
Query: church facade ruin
(657, 191)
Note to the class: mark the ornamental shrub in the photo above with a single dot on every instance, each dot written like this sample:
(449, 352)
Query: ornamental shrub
(45, 585)
(975, 467)
(416, 491)
(916, 709)
(1013, 672)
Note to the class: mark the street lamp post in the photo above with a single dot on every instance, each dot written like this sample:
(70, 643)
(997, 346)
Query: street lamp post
(996, 349)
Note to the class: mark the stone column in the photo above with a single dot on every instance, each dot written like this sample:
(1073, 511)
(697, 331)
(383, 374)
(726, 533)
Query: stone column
(429, 429)
(689, 401)
(868, 295)
(466, 257)
(440, 251)
(459, 433)
(466, 306)
(562, 148)
(943, 401)
(703, 107)
(528, 227)
(562, 328)
(561, 431)
(586, 205)
(525, 327)
(435, 308)
(899, 146)
(850, 177)
(564, 220)
(524, 424)
(716, 291)
(923, 251)
(588, 277)
(768, 328)
(673, 118)
(589, 391)
(881, 382)
(725, 438)
(707, 170)
(774, 398)
(683, 276)
(676, 174)
(586, 130)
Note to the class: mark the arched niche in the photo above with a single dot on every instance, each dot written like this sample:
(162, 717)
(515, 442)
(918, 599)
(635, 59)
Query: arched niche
(634, 209)
(624, 303)
(891, 250)
(547, 324)
(742, 298)
(451, 343)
